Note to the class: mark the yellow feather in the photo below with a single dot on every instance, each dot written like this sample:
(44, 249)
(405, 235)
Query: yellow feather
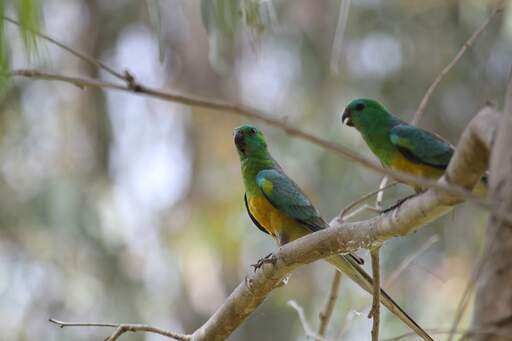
(274, 221)
(401, 163)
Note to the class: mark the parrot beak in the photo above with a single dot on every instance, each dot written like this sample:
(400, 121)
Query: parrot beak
(346, 118)
(239, 140)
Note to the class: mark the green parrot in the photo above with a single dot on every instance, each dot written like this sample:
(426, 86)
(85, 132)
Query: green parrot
(399, 145)
(278, 207)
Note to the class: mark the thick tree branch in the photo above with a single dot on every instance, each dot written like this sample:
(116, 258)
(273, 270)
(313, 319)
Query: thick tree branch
(493, 307)
(465, 169)
(468, 164)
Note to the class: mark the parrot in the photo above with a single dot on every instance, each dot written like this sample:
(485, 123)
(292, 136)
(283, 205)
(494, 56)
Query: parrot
(277, 206)
(398, 145)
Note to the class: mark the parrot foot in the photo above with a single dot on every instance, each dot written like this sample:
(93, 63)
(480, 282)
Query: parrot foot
(268, 259)
(397, 204)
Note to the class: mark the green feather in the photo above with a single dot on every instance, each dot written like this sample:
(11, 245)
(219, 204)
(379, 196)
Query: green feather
(287, 197)
(421, 146)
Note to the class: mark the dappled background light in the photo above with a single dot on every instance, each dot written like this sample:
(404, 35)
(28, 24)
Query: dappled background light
(120, 207)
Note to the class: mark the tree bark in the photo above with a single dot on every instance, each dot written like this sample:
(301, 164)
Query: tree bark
(493, 301)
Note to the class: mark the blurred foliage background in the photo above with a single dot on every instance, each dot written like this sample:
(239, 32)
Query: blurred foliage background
(116, 207)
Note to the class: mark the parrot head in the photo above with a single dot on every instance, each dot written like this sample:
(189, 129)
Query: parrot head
(249, 141)
(361, 112)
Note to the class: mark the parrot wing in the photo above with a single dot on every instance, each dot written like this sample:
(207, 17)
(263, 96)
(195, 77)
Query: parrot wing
(286, 196)
(420, 146)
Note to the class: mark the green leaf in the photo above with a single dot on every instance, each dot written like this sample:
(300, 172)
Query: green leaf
(4, 57)
(28, 14)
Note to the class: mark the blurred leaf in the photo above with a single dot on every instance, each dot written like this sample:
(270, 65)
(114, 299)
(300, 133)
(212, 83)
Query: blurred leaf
(4, 59)
(28, 14)
(223, 20)
(155, 20)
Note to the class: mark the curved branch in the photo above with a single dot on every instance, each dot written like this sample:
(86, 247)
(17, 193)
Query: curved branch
(122, 328)
(133, 86)
(465, 169)
(447, 68)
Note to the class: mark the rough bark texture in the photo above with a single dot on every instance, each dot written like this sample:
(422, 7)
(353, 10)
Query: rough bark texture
(493, 302)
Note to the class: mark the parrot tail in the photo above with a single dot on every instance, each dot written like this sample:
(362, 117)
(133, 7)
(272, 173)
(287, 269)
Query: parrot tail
(349, 267)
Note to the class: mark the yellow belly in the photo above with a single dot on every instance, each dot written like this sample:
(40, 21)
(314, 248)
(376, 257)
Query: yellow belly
(276, 223)
(401, 163)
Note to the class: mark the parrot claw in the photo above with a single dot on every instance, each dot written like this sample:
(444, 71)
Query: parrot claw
(268, 259)
(397, 204)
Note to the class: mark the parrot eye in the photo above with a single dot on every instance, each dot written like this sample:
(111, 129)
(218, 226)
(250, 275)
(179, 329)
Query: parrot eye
(252, 132)
(359, 106)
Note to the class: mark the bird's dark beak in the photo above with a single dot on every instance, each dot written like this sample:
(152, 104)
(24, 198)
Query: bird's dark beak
(346, 118)
(239, 140)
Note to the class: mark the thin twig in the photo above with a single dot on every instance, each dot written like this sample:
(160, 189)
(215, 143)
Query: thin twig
(116, 334)
(305, 325)
(326, 313)
(122, 328)
(359, 210)
(447, 68)
(375, 311)
(466, 333)
(363, 198)
(380, 195)
(74, 52)
(224, 107)
(470, 285)
(408, 260)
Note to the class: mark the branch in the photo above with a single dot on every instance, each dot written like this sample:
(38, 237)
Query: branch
(409, 259)
(467, 165)
(123, 328)
(305, 325)
(361, 199)
(424, 101)
(492, 274)
(229, 108)
(326, 313)
(79, 55)
(375, 311)
(465, 169)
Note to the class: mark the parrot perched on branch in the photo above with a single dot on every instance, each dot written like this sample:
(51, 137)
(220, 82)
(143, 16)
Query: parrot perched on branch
(278, 207)
(399, 145)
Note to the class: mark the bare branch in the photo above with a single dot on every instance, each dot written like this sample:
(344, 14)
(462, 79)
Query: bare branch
(380, 195)
(465, 169)
(407, 261)
(447, 68)
(235, 109)
(361, 199)
(361, 209)
(74, 52)
(304, 322)
(465, 333)
(123, 328)
(326, 313)
(493, 274)
(375, 311)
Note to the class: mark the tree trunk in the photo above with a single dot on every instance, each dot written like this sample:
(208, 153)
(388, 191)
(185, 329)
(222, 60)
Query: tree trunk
(493, 302)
